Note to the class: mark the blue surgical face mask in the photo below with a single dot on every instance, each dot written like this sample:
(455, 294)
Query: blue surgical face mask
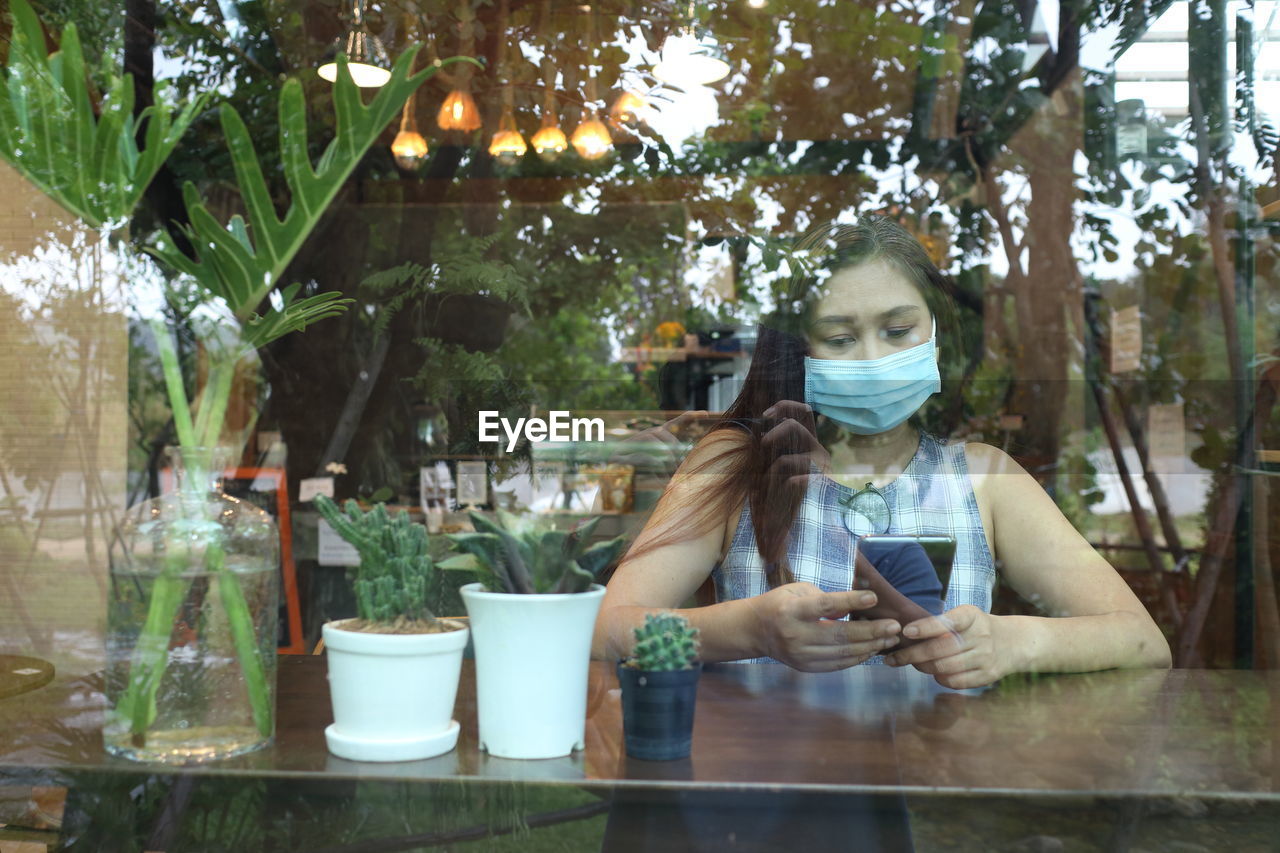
(869, 397)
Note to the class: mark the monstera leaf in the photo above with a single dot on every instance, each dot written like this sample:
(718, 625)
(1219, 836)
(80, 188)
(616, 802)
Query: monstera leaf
(89, 164)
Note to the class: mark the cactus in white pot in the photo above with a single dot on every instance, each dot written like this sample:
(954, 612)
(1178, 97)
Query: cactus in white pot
(394, 669)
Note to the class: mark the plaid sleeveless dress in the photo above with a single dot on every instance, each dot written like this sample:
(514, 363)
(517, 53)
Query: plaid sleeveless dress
(932, 496)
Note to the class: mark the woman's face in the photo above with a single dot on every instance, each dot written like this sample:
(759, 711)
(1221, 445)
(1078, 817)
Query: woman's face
(868, 311)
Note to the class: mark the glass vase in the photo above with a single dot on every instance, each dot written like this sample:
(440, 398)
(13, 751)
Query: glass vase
(191, 627)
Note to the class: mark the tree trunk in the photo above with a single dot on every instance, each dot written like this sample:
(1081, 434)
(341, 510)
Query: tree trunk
(1050, 291)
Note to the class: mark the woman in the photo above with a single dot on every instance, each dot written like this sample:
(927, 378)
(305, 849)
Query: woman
(769, 503)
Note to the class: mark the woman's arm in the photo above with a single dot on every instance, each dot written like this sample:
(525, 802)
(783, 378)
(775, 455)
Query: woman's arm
(793, 623)
(666, 573)
(1095, 621)
(1099, 622)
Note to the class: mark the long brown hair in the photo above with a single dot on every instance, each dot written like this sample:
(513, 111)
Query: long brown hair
(751, 470)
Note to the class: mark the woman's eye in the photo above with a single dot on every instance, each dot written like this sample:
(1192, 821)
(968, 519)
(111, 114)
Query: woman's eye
(839, 341)
(896, 334)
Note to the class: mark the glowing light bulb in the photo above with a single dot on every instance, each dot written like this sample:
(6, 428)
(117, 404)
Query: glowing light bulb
(591, 139)
(628, 107)
(409, 149)
(550, 142)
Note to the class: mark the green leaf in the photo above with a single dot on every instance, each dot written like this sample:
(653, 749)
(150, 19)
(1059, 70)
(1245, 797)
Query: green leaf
(89, 164)
(599, 556)
(460, 563)
(293, 316)
(242, 265)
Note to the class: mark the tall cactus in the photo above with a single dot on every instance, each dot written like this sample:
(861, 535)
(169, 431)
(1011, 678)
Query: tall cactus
(664, 643)
(395, 572)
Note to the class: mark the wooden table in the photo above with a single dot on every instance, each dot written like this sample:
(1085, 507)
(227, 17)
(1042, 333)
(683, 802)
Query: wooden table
(766, 732)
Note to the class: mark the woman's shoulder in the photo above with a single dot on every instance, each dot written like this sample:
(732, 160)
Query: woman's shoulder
(980, 456)
(720, 447)
(714, 462)
(998, 479)
(983, 459)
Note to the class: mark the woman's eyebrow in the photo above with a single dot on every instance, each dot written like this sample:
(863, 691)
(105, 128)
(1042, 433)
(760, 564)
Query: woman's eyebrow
(852, 319)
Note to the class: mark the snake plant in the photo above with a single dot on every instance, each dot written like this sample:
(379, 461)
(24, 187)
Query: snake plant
(525, 556)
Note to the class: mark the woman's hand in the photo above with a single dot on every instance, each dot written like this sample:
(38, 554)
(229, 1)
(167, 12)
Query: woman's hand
(964, 647)
(799, 626)
(792, 443)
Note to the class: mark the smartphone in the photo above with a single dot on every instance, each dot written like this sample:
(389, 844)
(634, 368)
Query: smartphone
(908, 574)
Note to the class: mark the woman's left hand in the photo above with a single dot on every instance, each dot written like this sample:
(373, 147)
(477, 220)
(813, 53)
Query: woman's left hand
(964, 647)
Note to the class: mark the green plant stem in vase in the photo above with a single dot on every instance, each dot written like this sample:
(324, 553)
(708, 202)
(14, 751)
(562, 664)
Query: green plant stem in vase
(197, 570)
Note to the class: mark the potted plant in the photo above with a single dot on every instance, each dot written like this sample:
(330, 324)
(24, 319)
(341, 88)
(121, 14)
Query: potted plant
(393, 670)
(660, 688)
(532, 616)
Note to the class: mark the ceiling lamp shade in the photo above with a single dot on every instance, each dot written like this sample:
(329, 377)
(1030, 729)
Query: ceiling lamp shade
(628, 107)
(459, 112)
(591, 139)
(688, 60)
(508, 146)
(367, 59)
(550, 142)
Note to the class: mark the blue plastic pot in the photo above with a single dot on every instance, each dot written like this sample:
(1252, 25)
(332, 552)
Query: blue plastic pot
(657, 712)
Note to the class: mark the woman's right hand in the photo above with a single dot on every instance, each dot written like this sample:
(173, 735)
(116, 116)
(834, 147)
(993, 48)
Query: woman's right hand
(799, 625)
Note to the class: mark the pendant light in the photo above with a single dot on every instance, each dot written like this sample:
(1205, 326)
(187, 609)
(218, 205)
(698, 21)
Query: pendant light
(459, 111)
(628, 108)
(366, 57)
(409, 147)
(549, 142)
(591, 138)
(688, 59)
(507, 145)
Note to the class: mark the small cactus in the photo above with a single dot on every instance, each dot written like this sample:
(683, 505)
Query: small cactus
(395, 571)
(664, 643)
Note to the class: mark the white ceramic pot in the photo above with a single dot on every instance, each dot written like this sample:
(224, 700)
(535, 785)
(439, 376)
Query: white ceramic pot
(532, 658)
(392, 693)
